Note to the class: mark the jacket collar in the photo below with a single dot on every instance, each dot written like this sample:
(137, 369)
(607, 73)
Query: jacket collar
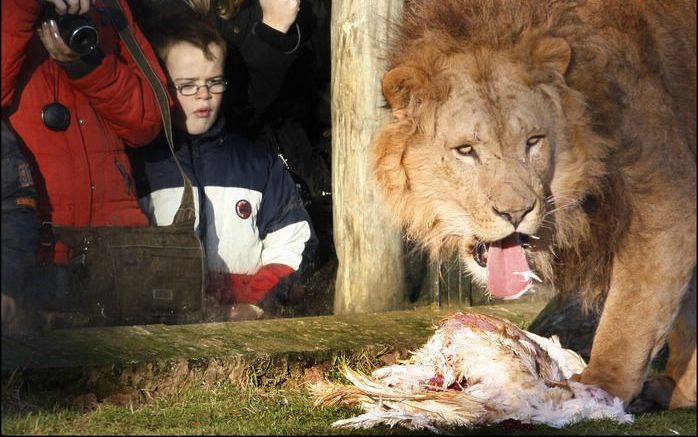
(209, 137)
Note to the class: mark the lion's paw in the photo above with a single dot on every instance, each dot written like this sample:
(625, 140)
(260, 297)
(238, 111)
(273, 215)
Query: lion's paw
(655, 395)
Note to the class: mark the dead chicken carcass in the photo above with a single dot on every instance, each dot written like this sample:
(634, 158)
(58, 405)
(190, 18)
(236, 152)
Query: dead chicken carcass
(474, 370)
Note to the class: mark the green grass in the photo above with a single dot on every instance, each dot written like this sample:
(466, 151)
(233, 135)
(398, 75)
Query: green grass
(226, 409)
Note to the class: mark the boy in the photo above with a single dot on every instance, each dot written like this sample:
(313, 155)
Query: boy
(256, 232)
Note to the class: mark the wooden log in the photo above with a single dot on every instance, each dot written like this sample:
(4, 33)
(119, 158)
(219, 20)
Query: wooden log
(371, 272)
(156, 359)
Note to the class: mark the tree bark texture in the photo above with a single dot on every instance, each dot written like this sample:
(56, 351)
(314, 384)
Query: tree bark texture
(371, 272)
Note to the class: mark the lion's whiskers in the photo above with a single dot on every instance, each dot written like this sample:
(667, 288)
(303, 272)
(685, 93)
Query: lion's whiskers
(562, 205)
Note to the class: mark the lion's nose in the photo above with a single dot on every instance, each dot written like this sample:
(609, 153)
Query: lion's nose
(514, 216)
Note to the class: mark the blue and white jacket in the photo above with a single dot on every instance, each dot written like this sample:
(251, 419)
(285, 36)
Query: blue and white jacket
(248, 210)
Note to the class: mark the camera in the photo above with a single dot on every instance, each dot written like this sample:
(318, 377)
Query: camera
(76, 30)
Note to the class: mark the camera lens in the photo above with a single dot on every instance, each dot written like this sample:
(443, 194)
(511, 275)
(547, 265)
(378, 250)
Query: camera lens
(76, 30)
(82, 39)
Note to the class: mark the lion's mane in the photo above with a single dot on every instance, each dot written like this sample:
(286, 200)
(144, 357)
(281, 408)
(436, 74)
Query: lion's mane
(593, 203)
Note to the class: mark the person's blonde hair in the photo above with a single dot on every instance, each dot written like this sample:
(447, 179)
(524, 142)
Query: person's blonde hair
(223, 8)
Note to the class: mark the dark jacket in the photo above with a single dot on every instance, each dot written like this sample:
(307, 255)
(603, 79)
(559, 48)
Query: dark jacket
(287, 106)
(259, 66)
(249, 214)
(20, 225)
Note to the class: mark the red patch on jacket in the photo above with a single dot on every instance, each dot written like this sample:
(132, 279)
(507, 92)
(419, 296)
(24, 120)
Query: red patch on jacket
(243, 209)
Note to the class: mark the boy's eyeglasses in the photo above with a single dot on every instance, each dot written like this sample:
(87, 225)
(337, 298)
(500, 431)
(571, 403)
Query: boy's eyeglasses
(190, 89)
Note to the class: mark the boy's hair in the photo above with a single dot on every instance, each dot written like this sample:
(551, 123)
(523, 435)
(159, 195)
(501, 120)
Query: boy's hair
(189, 27)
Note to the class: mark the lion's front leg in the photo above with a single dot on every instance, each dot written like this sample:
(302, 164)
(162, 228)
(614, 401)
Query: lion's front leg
(678, 388)
(681, 365)
(643, 301)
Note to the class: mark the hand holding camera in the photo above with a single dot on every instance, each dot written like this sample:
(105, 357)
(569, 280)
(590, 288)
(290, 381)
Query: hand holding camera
(66, 31)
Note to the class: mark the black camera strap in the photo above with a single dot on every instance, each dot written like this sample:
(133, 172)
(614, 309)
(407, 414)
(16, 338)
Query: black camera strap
(186, 214)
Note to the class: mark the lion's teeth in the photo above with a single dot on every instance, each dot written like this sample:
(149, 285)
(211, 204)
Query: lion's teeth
(528, 275)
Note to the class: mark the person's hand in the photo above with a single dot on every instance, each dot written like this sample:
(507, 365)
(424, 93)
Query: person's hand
(244, 311)
(51, 37)
(75, 7)
(214, 311)
(55, 46)
(279, 14)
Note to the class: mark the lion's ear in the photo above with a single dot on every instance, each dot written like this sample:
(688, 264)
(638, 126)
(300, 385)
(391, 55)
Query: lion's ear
(402, 84)
(552, 54)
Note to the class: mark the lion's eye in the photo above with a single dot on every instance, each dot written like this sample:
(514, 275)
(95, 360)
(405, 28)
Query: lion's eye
(464, 150)
(534, 140)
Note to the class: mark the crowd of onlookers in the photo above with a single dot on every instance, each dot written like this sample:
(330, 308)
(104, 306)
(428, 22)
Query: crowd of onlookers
(83, 143)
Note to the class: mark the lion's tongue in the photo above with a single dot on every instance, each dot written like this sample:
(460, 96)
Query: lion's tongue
(504, 258)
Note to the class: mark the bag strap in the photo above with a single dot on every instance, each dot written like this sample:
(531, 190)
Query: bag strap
(186, 214)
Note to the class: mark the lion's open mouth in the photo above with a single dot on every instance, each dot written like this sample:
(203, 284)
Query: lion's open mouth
(480, 251)
(508, 273)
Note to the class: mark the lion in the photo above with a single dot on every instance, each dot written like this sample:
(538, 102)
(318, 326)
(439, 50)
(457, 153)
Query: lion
(555, 141)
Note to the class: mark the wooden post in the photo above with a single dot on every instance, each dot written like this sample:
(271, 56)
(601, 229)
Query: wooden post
(371, 272)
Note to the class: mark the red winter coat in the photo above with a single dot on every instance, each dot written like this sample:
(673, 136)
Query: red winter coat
(83, 175)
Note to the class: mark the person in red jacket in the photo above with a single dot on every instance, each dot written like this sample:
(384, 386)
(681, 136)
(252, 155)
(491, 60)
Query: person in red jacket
(101, 102)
